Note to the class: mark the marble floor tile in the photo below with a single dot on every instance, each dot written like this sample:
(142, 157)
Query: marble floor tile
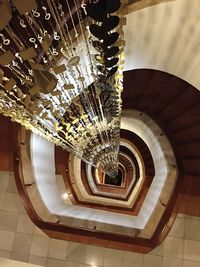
(57, 249)
(94, 255)
(24, 224)
(39, 246)
(173, 247)
(113, 258)
(6, 240)
(191, 250)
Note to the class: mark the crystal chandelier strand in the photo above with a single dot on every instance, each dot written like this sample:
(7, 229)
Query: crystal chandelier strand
(101, 114)
(116, 167)
(102, 140)
(62, 94)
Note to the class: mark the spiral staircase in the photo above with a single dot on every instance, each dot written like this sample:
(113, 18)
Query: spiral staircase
(159, 150)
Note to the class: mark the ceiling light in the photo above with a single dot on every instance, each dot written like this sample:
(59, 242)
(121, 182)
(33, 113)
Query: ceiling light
(65, 196)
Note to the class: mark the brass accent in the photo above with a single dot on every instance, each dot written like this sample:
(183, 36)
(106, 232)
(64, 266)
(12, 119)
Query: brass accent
(6, 58)
(68, 86)
(28, 53)
(59, 69)
(45, 80)
(10, 84)
(25, 6)
(5, 14)
(74, 61)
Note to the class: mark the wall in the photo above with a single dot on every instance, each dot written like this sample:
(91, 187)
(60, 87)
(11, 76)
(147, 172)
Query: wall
(21, 240)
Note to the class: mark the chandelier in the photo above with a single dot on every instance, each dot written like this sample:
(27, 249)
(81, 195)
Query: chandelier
(61, 68)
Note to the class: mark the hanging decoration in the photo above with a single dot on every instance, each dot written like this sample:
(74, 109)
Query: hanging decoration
(61, 68)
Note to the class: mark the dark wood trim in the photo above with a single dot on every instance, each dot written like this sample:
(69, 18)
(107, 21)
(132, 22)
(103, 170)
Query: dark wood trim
(56, 230)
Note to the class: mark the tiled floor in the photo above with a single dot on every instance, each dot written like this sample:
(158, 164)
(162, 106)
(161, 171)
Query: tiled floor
(21, 240)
